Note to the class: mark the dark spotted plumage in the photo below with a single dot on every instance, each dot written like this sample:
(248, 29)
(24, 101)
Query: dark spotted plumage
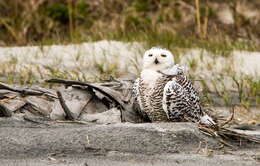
(181, 100)
(172, 98)
(149, 100)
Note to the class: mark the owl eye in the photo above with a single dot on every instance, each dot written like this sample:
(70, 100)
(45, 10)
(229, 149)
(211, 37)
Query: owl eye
(163, 55)
(150, 55)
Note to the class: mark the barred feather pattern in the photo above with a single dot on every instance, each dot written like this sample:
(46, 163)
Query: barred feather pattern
(139, 99)
(150, 100)
(181, 100)
(155, 100)
(173, 98)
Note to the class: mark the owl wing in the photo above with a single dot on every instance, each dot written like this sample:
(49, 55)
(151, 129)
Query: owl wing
(138, 104)
(136, 92)
(181, 101)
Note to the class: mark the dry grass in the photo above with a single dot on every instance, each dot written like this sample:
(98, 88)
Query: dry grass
(174, 24)
(226, 85)
(177, 25)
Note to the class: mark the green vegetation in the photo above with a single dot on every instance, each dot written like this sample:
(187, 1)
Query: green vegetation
(173, 24)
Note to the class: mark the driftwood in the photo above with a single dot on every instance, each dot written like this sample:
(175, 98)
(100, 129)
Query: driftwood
(21, 91)
(117, 92)
(65, 107)
(96, 87)
(99, 97)
(4, 111)
(26, 91)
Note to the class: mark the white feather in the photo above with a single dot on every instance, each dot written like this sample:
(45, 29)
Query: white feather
(176, 69)
(207, 120)
(149, 77)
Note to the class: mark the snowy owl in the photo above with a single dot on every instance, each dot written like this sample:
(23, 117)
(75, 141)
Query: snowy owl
(164, 93)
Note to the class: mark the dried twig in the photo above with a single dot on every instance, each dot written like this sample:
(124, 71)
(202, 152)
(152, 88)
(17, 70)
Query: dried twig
(66, 82)
(85, 106)
(72, 121)
(65, 107)
(35, 120)
(230, 118)
(25, 91)
(19, 90)
(213, 133)
(222, 134)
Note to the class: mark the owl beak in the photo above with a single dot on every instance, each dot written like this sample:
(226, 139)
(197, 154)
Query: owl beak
(156, 61)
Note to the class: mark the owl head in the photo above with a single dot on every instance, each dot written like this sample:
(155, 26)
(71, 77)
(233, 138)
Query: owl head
(157, 58)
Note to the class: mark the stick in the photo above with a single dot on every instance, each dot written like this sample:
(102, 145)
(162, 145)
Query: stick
(37, 121)
(22, 91)
(230, 119)
(85, 106)
(72, 121)
(5, 111)
(66, 82)
(69, 82)
(65, 107)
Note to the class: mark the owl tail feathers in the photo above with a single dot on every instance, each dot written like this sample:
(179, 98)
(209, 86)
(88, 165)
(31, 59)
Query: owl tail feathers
(207, 120)
(222, 134)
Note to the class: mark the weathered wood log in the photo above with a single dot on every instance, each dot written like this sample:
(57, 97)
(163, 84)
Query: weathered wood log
(112, 95)
(4, 111)
(118, 92)
(26, 91)
(19, 90)
(68, 113)
(66, 82)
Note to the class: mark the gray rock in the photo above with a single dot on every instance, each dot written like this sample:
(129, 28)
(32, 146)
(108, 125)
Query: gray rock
(108, 117)
(58, 144)
(150, 138)
(129, 159)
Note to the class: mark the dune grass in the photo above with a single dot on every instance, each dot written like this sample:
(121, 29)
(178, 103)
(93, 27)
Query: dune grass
(150, 22)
